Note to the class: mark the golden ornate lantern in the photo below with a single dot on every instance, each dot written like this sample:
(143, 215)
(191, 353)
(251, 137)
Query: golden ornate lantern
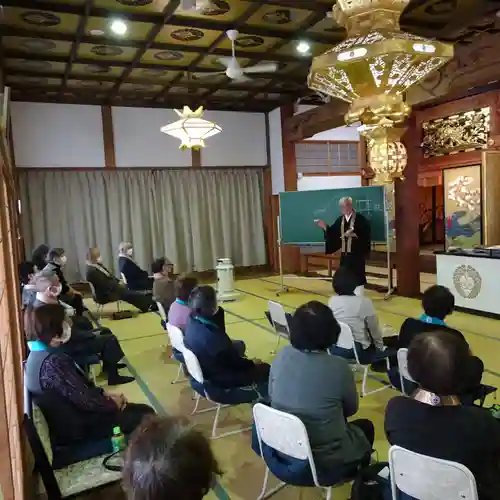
(373, 68)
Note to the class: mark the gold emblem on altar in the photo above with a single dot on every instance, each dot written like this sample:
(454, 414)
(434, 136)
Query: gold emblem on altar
(467, 281)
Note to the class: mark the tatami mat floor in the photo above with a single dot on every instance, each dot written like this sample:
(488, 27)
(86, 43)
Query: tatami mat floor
(145, 344)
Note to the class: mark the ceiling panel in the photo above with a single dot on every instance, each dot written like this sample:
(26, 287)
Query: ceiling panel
(39, 20)
(106, 52)
(181, 35)
(169, 57)
(271, 16)
(36, 46)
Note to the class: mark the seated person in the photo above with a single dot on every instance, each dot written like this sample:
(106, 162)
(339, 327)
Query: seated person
(27, 271)
(297, 385)
(438, 303)
(39, 256)
(77, 412)
(85, 342)
(137, 279)
(108, 288)
(359, 313)
(434, 423)
(180, 311)
(168, 458)
(222, 360)
(163, 285)
(56, 261)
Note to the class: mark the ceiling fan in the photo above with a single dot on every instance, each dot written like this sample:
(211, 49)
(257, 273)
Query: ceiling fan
(233, 69)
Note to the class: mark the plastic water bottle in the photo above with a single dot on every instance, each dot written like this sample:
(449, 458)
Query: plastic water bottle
(118, 440)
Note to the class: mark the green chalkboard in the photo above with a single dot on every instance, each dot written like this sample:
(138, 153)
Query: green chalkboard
(298, 209)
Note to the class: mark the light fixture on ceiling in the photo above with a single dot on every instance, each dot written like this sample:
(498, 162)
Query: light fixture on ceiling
(119, 27)
(303, 47)
(372, 69)
(191, 129)
(96, 32)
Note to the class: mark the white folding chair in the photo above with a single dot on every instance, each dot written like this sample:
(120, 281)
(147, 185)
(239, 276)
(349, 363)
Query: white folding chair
(404, 374)
(346, 340)
(194, 369)
(428, 478)
(162, 312)
(286, 434)
(100, 305)
(279, 321)
(123, 279)
(177, 342)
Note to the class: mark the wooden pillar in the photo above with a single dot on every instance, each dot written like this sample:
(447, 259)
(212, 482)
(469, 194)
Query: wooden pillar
(108, 137)
(196, 158)
(291, 254)
(408, 218)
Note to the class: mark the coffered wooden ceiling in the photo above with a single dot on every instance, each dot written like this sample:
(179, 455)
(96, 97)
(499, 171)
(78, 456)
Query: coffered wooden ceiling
(51, 52)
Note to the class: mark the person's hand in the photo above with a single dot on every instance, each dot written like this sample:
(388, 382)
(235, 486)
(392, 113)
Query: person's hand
(321, 224)
(119, 399)
(258, 361)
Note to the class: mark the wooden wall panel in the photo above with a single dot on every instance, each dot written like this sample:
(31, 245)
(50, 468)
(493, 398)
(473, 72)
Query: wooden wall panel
(108, 136)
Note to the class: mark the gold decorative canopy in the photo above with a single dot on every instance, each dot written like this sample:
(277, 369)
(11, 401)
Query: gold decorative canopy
(372, 69)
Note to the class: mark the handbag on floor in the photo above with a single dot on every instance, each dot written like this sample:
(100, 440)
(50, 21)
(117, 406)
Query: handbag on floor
(372, 483)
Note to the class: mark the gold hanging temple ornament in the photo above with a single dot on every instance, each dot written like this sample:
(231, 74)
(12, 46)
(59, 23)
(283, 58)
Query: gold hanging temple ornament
(191, 129)
(375, 65)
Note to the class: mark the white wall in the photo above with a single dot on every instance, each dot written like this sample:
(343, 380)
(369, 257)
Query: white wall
(337, 134)
(276, 148)
(139, 141)
(57, 135)
(315, 182)
(242, 141)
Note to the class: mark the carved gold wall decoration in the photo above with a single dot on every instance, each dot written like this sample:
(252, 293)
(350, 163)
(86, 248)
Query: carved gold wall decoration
(461, 132)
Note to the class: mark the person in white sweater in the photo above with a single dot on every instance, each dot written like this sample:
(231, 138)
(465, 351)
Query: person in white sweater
(359, 314)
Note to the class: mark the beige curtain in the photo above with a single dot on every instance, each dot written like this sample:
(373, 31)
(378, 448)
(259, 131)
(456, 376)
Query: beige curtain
(190, 216)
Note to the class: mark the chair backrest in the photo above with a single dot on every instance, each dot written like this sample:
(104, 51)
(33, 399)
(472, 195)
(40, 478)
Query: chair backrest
(28, 398)
(403, 367)
(346, 340)
(176, 337)
(428, 478)
(92, 289)
(193, 366)
(42, 463)
(124, 279)
(161, 311)
(284, 433)
(278, 315)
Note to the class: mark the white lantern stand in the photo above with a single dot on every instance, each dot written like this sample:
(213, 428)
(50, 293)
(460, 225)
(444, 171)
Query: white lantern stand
(225, 281)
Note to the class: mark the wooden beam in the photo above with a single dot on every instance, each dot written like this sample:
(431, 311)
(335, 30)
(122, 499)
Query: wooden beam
(174, 20)
(195, 158)
(168, 13)
(108, 137)
(76, 43)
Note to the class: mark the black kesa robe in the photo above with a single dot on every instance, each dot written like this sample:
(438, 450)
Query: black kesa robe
(355, 251)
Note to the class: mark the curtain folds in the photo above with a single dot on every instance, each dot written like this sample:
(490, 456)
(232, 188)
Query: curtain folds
(191, 217)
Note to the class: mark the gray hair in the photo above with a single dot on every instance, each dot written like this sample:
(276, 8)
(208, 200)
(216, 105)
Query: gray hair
(345, 199)
(42, 280)
(124, 246)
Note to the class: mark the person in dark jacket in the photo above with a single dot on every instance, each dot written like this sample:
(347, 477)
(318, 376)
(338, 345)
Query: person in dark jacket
(164, 285)
(222, 360)
(85, 341)
(438, 303)
(56, 261)
(108, 288)
(137, 279)
(77, 412)
(433, 421)
(39, 256)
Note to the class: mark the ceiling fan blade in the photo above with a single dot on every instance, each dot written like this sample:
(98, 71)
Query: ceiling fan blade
(225, 61)
(261, 68)
(188, 4)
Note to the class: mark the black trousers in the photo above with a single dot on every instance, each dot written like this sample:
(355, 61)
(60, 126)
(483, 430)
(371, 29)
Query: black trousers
(84, 344)
(75, 300)
(356, 264)
(131, 417)
(367, 427)
(140, 300)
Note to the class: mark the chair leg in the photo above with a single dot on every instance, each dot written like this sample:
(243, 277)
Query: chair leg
(278, 340)
(92, 374)
(267, 494)
(363, 386)
(197, 399)
(225, 434)
(178, 379)
(329, 493)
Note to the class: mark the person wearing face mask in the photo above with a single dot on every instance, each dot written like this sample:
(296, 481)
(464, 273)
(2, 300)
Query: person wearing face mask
(108, 288)
(80, 416)
(222, 360)
(85, 342)
(137, 279)
(56, 262)
(39, 256)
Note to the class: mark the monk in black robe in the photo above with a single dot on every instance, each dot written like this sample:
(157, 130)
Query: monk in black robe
(350, 234)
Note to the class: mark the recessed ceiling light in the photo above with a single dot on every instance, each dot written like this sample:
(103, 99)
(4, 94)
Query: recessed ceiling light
(303, 47)
(118, 27)
(96, 32)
